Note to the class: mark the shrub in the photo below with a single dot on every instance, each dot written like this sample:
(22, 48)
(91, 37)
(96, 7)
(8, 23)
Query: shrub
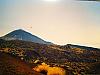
(47, 70)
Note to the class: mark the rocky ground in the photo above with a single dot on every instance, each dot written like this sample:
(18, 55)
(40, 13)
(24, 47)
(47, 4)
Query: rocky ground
(74, 59)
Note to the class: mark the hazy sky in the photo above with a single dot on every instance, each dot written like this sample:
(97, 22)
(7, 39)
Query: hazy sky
(58, 21)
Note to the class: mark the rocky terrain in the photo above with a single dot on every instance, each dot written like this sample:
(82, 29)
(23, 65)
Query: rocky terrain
(73, 58)
(11, 65)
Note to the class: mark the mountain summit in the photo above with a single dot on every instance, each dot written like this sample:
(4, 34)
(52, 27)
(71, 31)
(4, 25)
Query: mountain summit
(25, 36)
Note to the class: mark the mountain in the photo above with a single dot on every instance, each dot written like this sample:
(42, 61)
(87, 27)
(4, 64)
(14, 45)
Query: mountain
(25, 36)
(74, 59)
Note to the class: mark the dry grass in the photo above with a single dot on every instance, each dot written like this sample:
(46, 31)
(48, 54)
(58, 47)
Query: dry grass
(50, 70)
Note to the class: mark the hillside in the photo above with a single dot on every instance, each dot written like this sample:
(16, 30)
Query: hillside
(75, 60)
(11, 65)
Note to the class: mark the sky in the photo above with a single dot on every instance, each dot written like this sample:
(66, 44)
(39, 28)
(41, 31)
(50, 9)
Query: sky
(58, 21)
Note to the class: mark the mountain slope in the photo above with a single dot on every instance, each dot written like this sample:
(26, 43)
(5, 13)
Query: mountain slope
(11, 65)
(25, 36)
(70, 57)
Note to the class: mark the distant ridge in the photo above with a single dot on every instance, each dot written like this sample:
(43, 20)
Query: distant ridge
(72, 46)
(25, 36)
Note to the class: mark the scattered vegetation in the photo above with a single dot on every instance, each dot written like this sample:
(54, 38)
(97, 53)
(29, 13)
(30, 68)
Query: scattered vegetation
(75, 60)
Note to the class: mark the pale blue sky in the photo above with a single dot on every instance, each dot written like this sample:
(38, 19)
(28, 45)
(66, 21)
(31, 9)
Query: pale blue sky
(61, 22)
